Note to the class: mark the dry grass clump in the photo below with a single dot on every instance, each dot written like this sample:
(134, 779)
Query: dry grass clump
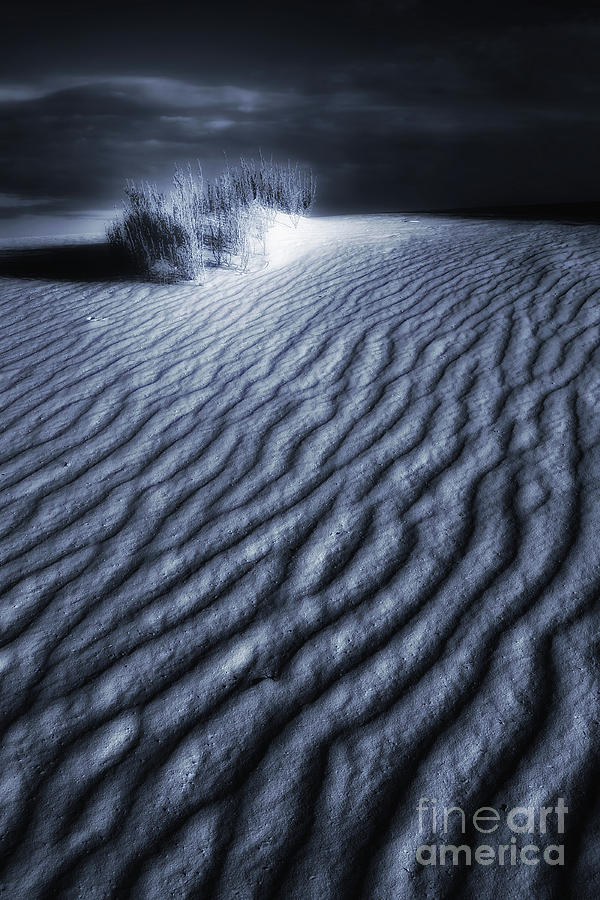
(173, 236)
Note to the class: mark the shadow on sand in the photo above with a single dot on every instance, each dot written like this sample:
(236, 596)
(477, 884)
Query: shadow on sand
(98, 261)
(66, 262)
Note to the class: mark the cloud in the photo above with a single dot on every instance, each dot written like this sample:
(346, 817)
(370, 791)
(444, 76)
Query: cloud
(427, 128)
(149, 91)
(16, 93)
(16, 201)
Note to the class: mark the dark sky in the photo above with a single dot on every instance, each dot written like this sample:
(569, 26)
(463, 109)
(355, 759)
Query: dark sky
(397, 104)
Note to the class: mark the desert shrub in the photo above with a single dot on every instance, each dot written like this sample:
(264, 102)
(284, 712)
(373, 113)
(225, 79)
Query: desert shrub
(174, 236)
(155, 238)
(289, 189)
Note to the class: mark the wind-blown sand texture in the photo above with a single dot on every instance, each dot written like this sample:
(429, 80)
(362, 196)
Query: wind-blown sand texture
(285, 552)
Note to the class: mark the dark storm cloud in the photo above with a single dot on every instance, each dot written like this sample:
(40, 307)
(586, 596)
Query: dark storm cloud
(78, 142)
(395, 104)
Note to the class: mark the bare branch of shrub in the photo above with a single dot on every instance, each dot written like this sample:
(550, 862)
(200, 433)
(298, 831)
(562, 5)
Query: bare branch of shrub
(173, 237)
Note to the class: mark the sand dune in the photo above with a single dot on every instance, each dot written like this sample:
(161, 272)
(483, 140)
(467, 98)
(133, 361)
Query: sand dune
(285, 552)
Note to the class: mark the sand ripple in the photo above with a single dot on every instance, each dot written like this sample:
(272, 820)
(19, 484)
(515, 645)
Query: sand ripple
(283, 553)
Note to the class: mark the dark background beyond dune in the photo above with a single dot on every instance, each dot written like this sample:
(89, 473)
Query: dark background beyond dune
(397, 105)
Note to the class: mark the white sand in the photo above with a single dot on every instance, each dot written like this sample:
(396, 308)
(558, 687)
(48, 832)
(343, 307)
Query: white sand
(285, 552)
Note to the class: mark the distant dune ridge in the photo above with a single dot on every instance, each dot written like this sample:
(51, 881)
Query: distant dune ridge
(285, 552)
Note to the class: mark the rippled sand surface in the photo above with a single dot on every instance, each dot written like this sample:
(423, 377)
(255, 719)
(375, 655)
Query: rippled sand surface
(285, 552)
